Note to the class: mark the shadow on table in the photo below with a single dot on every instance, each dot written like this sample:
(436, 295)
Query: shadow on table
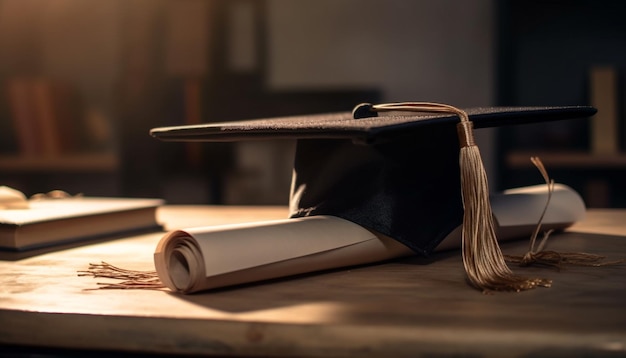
(439, 281)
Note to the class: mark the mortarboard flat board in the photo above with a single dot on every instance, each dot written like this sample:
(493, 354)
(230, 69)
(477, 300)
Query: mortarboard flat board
(397, 173)
(364, 130)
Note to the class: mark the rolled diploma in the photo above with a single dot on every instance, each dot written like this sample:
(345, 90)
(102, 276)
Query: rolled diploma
(203, 258)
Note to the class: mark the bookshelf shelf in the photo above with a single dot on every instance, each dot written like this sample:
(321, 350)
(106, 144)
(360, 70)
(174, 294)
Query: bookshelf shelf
(84, 162)
(597, 177)
(540, 64)
(568, 160)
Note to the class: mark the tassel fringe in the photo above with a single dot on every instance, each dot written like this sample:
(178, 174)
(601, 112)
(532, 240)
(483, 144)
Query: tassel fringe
(130, 279)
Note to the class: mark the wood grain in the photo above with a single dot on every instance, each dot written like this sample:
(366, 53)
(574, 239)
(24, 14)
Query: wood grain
(405, 307)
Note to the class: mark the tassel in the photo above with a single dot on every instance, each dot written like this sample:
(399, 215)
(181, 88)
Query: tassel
(484, 263)
(483, 260)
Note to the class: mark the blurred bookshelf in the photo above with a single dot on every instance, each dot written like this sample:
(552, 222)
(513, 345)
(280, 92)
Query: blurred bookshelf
(565, 53)
(77, 102)
(47, 132)
(571, 160)
(56, 118)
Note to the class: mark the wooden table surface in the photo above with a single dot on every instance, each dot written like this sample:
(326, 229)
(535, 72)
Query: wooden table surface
(405, 307)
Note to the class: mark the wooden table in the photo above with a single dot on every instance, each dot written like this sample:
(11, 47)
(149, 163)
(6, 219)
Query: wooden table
(405, 307)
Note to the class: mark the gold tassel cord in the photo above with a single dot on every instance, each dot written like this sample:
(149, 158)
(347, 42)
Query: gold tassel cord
(550, 184)
(130, 279)
(482, 258)
(539, 256)
(557, 260)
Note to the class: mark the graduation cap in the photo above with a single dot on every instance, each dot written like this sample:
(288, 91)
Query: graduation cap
(396, 169)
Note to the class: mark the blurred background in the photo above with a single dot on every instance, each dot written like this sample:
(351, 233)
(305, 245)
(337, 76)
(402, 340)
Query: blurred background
(83, 81)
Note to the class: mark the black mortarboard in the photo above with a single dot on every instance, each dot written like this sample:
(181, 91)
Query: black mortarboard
(397, 173)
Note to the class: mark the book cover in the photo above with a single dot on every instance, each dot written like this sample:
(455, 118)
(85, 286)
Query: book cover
(51, 222)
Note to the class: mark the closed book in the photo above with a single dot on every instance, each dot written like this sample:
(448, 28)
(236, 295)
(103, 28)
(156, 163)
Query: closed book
(51, 222)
